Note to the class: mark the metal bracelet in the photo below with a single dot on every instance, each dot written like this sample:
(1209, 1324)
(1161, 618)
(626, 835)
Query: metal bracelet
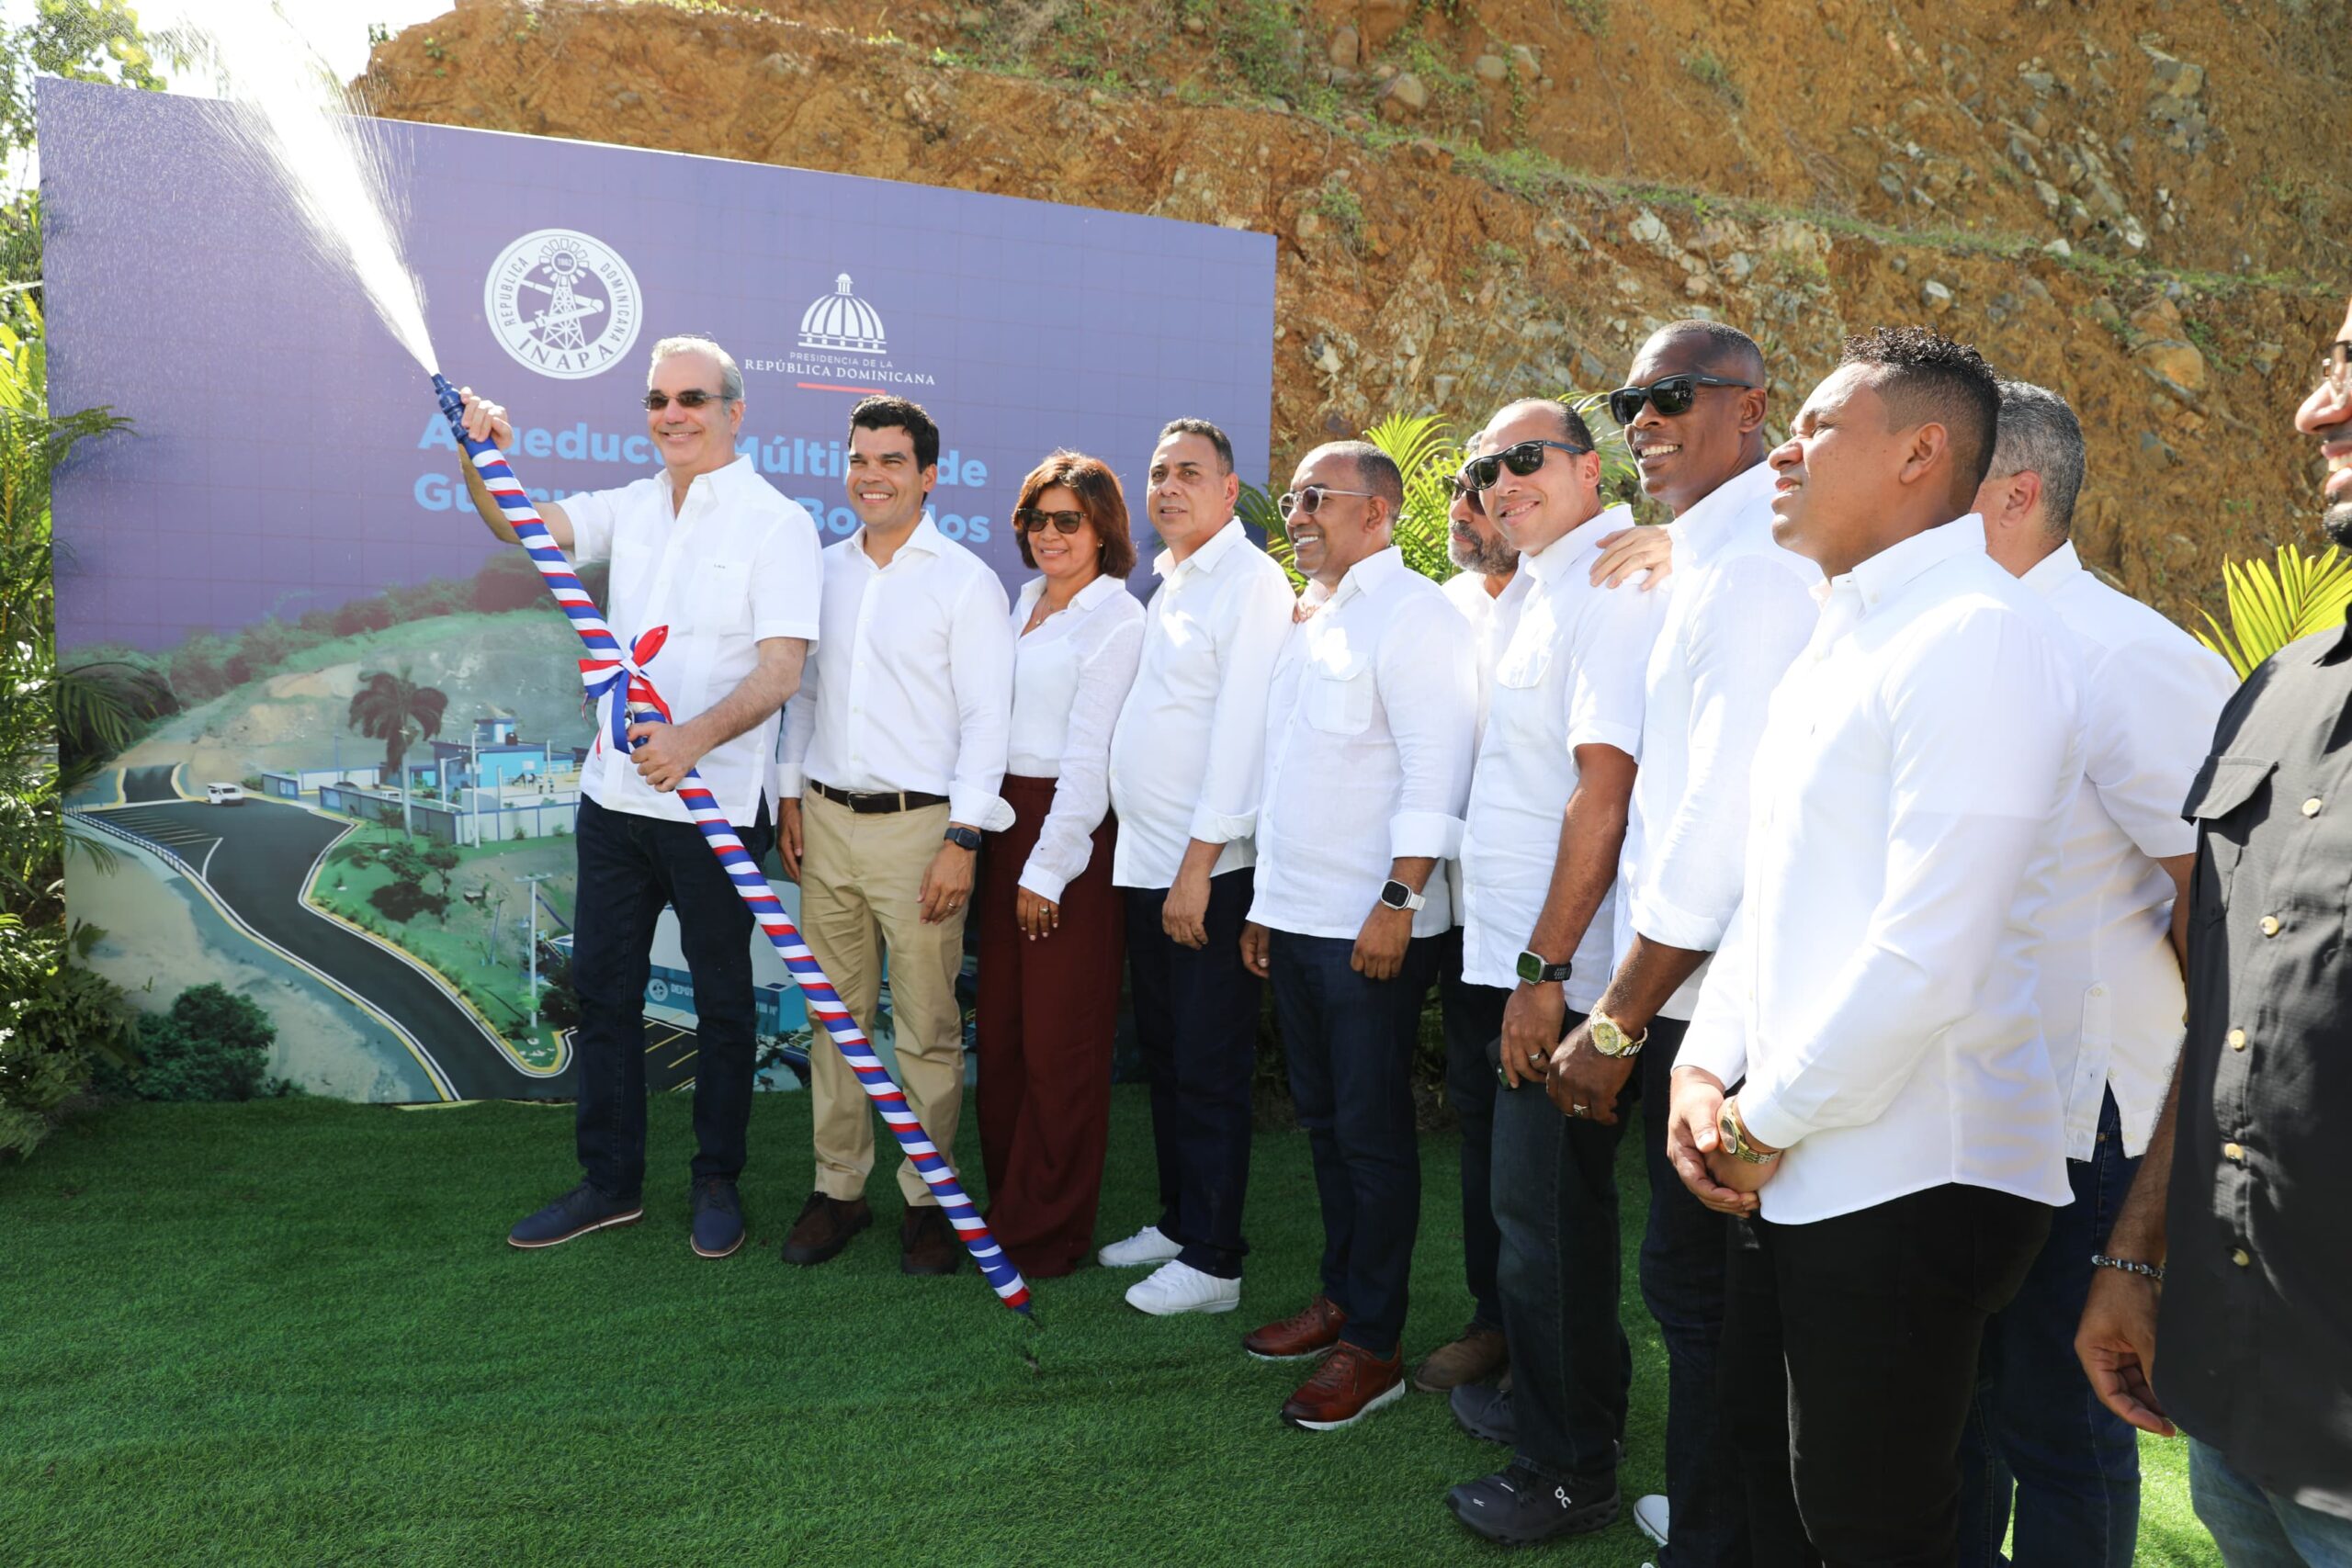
(2146, 1271)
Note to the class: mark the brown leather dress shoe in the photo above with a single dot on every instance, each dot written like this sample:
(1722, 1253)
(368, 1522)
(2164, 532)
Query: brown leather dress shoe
(824, 1227)
(1304, 1334)
(1351, 1384)
(1478, 1356)
(927, 1243)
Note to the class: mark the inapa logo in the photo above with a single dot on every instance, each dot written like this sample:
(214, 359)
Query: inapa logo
(563, 302)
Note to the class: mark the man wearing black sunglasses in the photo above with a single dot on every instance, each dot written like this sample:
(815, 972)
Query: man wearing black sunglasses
(1546, 820)
(709, 554)
(1738, 608)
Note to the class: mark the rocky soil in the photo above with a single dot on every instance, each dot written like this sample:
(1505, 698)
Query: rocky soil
(2142, 203)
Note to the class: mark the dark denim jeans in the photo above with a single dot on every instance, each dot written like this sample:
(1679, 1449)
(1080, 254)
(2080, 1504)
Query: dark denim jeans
(1473, 1018)
(629, 868)
(1349, 1045)
(1683, 1249)
(1197, 1029)
(1556, 1203)
(2036, 1423)
(2256, 1528)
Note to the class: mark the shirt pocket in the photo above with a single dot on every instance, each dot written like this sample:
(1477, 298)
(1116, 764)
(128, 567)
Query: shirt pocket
(2227, 799)
(717, 600)
(1517, 702)
(1339, 691)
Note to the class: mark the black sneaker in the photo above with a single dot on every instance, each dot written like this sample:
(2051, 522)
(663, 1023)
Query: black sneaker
(578, 1212)
(1519, 1507)
(718, 1218)
(1483, 1410)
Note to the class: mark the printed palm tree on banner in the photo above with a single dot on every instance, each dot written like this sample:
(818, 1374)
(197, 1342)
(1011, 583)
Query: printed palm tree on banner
(397, 711)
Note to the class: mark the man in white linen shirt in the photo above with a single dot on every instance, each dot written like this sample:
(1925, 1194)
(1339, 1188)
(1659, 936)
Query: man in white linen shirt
(1549, 795)
(893, 754)
(709, 550)
(1876, 991)
(1369, 730)
(1472, 1015)
(1186, 764)
(2111, 998)
(1738, 608)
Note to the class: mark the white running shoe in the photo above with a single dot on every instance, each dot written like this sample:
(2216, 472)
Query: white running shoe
(1649, 1512)
(1179, 1286)
(1146, 1246)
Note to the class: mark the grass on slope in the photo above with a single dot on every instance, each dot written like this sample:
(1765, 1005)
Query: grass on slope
(291, 1332)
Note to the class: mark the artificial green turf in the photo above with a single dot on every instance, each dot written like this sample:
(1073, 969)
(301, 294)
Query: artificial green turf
(292, 1332)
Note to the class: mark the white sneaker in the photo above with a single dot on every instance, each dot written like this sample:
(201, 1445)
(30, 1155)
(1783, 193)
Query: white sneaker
(1649, 1512)
(1146, 1246)
(1179, 1286)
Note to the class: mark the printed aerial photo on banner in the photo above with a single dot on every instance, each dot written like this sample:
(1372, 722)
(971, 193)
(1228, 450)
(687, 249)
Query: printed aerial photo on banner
(353, 798)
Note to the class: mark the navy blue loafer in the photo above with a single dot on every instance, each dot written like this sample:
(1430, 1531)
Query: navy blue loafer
(578, 1212)
(718, 1218)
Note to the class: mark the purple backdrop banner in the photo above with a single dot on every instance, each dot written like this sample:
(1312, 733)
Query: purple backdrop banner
(283, 530)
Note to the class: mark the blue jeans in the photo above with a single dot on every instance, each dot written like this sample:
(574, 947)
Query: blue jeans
(630, 866)
(1556, 1203)
(1474, 1017)
(2036, 1423)
(1349, 1045)
(2261, 1530)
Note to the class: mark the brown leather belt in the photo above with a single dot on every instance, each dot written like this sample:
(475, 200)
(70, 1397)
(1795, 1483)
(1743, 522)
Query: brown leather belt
(877, 804)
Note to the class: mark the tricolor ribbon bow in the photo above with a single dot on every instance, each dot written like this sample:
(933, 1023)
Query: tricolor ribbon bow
(621, 685)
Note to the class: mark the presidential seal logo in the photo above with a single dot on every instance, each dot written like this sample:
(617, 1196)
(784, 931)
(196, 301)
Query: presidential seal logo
(842, 320)
(563, 302)
(843, 347)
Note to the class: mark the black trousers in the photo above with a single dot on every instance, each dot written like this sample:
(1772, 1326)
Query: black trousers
(1197, 1029)
(1473, 1018)
(1849, 1365)
(629, 868)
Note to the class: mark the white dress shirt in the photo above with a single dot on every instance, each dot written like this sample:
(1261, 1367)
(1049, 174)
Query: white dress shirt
(1369, 731)
(1568, 674)
(1187, 756)
(1876, 986)
(737, 563)
(1738, 608)
(913, 688)
(1467, 593)
(2111, 986)
(1069, 677)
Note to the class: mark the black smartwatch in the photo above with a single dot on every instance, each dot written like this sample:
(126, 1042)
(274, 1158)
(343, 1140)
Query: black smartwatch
(1534, 971)
(965, 839)
(1397, 896)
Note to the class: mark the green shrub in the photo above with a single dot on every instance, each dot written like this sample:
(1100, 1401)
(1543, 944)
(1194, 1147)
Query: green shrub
(61, 1021)
(214, 1044)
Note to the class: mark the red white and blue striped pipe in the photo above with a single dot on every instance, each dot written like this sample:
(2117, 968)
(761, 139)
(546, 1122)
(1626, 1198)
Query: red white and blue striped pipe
(618, 679)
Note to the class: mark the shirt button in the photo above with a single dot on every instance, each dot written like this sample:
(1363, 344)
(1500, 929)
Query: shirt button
(2269, 925)
(2237, 1039)
(2098, 991)
(2310, 806)
(2233, 1153)
(2242, 1257)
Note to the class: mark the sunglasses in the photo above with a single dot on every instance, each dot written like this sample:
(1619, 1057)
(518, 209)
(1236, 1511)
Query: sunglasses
(692, 398)
(1455, 490)
(1480, 473)
(1310, 499)
(1029, 519)
(1670, 395)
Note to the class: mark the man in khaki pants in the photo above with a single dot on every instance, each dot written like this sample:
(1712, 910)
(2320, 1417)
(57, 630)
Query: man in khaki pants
(892, 755)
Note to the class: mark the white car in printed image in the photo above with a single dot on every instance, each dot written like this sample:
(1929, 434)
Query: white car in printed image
(224, 795)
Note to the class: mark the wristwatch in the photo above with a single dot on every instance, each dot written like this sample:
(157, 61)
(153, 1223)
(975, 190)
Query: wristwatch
(1610, 1038)
(964, 839)
(1737, 1142)
(1534, 969)
(1397, 896)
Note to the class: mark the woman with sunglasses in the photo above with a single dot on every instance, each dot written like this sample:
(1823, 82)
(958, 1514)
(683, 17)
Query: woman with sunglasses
(1051, 932)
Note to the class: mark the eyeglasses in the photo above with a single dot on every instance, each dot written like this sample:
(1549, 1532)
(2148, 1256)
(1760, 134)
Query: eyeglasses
(1670, 395)
(1480, 473)
(692, 398)
(1310, 499)
(2336, 368)
(1029, 519)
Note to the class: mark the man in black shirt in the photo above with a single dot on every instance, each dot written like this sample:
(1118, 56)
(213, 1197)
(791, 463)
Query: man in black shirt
(2234, 1199)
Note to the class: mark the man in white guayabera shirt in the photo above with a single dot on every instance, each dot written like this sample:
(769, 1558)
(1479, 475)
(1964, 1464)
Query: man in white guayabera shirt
(1369, 730)
(1185, 767)
(1873, 1003)
(709, 550)
(1549, 796)
(1738, 609)
(2112, 995)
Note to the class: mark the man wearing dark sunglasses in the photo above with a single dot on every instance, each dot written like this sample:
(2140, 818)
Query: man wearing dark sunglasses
(1738, 608)
(1545, 823)
(708, 552)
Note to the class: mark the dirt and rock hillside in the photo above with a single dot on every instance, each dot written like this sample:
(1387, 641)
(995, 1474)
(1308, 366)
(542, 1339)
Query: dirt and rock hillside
(2142, 203)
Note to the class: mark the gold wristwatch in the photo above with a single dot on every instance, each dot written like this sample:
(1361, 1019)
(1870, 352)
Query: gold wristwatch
(1736, 1143)
(1610, 1038)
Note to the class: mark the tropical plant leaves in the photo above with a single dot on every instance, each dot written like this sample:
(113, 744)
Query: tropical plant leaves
(2272, 607)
